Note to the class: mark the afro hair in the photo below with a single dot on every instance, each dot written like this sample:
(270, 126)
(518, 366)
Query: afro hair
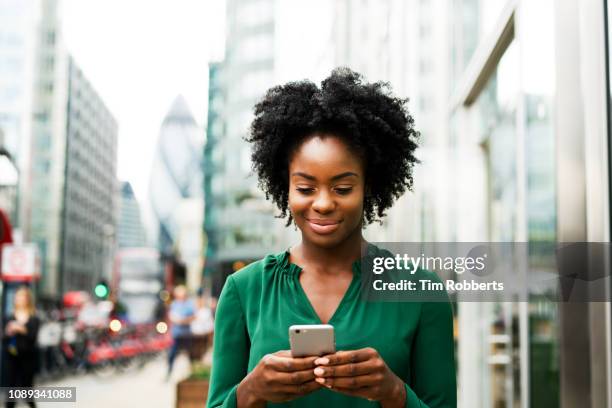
(366, 116)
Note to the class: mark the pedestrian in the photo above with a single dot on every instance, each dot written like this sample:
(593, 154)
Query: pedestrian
(203, 322)
(333, 159)
(19, 342)
(181, 314)
(201, 327)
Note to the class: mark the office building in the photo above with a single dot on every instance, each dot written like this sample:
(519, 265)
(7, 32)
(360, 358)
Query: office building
(130, 230)
(176, 172)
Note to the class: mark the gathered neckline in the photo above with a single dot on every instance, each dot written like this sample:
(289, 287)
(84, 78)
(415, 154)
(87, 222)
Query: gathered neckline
(295, 270)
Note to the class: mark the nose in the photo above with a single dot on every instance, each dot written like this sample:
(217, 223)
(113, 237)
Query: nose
(323, 203)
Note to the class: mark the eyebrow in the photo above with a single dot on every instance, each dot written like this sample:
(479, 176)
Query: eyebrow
(336, 177)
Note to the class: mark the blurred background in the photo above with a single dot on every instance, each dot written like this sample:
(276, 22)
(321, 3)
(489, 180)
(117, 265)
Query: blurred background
(124, 173)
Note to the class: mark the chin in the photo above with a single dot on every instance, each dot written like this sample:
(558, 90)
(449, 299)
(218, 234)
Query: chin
(326, 241)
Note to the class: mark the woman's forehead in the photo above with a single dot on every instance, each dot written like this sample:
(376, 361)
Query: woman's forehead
(325, 155)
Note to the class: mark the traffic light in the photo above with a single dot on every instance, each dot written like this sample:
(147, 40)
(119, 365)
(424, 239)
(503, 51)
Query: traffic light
(101, 290)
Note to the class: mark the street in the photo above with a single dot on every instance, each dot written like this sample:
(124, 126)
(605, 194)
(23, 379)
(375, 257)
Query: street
(146, 387)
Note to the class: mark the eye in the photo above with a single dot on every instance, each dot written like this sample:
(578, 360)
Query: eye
(344, 190)
(305, 190)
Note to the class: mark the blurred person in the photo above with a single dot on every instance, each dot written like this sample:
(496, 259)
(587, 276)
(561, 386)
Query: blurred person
(20, 336)
(201, 327)
(203, 322)
(181, 314)
(333, 159)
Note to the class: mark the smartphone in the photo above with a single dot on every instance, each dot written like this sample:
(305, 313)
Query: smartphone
(312, 340)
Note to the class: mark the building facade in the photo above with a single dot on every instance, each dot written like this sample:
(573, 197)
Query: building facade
(68, 204)
(512, 101)
(176, 170)
(89, 210)
(43, 205)
(130, 230)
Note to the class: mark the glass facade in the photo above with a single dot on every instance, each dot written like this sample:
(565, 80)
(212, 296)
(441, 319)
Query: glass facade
(176, 171)
(509, 130)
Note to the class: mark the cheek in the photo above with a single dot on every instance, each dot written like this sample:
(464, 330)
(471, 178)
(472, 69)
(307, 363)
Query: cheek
(297, 202)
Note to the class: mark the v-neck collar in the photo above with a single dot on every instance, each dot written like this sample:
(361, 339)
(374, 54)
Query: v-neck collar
(295, 271)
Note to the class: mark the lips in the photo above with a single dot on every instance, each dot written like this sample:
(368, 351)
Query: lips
(323, 226)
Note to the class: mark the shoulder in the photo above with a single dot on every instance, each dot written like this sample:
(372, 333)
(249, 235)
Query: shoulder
(258, 271)
(34, 320)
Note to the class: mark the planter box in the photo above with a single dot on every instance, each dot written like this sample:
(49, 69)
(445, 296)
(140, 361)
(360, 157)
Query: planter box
(191, 393)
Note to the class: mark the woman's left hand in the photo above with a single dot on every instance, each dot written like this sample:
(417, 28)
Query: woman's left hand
(361, 373)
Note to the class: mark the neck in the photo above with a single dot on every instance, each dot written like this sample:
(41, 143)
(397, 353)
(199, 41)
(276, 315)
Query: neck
(342, 255)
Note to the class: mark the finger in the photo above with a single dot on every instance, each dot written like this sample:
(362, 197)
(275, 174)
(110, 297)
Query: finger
(351, 382)
(346, 370)
(364, 392)
(349, 356)
(288, 364)
(298, 389)
(295, 377)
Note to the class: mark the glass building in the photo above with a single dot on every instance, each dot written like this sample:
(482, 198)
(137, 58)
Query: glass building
(130, 230)
(176, 171)
(529, 150)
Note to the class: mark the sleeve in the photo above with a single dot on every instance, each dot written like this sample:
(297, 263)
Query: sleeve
(433, 379)
(230, 348)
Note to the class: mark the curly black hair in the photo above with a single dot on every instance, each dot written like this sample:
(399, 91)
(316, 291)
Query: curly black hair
(372, 122)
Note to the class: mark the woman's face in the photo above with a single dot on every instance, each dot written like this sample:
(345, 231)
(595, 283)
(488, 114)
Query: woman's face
(326, 190)
(21, 299)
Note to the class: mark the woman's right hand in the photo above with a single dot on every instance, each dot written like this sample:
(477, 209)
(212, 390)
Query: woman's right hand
(278, 377)
(11, 328)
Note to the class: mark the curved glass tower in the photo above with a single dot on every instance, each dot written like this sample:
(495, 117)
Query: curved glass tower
(176, 172)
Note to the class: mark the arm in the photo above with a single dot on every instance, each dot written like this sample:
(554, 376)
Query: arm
(8, 328)
(433, 382)
(230, 348)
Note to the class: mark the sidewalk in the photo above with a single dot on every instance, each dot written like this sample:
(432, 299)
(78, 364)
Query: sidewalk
(137, 388)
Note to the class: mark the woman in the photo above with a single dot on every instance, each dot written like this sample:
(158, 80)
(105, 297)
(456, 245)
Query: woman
(333, 159)
(20, 334)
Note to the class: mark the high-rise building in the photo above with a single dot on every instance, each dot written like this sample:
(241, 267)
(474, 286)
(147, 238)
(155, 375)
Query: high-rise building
(70, 211)
(212, 165)
(130, 230)
(176, 172)
(90, 185)
(43, 206)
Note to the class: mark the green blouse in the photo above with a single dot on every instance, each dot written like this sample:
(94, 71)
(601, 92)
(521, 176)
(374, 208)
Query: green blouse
(260, 302)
